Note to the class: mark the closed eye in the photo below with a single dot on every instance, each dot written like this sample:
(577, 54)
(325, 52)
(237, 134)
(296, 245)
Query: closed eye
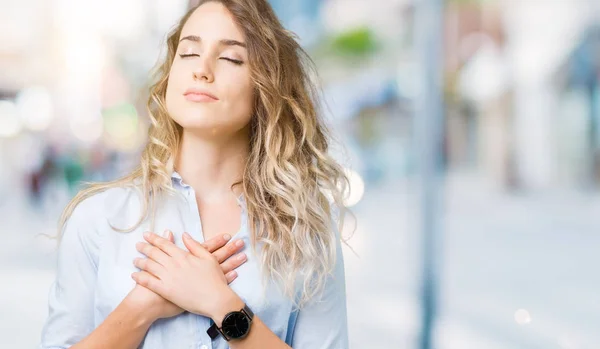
(234, 61)
(186, 55)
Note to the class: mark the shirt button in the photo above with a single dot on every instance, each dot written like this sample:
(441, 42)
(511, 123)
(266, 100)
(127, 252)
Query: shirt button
(203, 347)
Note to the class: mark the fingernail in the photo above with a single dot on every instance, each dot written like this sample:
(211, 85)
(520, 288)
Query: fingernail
(241, 257)
(147, 235)
(187, 236)
(226, 237)
(232, 274)
(239, 243)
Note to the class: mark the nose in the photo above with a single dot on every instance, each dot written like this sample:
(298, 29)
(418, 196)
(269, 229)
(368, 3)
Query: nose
(204, 71)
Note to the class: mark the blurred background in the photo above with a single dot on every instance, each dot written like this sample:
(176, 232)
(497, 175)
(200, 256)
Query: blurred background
(512, 257)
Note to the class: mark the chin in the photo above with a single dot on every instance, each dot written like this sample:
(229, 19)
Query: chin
(204, 123)
(193, 118)
(201, 126)
(204, 126)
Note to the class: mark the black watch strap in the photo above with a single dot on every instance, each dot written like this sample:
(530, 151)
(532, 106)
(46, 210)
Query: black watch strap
(248, 311)
(213, 331)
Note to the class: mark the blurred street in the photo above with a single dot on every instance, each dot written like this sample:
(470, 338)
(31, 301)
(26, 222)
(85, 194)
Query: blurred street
(502, 253)
(513, 120)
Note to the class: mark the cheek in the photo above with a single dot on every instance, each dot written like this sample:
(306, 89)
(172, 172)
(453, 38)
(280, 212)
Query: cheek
(243, 95)
(244, 104)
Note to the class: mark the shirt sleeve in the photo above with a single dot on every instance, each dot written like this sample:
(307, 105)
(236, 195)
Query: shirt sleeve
(322, 323)
(71, 296)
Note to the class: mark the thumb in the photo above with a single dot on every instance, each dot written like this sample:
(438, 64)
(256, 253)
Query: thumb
(194, 246)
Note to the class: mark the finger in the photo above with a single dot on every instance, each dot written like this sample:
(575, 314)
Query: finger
(165, 245)
(150, 282)
(195, 247)
(228, 250)
(170, 236)
(232, 275)
(233, 262)
(150, 266)
(153, 253)
(216, 242)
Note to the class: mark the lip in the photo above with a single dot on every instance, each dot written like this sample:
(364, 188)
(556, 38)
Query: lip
(199, 95)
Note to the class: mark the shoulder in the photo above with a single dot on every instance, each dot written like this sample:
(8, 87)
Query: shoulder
(112, 206)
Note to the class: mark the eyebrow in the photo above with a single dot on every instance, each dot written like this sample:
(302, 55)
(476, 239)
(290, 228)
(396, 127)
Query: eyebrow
(223, 42)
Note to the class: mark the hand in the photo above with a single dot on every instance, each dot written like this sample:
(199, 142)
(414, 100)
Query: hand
(223, 252)
(145, 298)
(193, 280)
(142, 298)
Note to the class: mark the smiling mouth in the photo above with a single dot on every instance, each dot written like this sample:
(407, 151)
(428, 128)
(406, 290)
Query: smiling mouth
(199, 97)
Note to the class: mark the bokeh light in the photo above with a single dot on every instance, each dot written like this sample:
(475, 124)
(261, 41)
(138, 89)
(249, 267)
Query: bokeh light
(356, 189)
(10, 123)
(516, 219)
(522, 317)
(35, 108)
(87, 129)
(122, 127)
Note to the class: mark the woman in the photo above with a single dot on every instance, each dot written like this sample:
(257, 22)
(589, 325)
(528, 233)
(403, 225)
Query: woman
(235, 146)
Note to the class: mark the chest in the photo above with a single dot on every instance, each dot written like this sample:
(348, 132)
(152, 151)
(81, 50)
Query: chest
(219, 218)
(118, 252)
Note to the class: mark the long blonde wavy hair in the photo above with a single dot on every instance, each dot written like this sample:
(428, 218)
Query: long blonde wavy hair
(291, 185)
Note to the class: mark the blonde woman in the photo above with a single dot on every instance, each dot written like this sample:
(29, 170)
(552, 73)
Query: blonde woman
(236, 146)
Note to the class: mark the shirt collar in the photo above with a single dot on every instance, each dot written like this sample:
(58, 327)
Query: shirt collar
(176, 177)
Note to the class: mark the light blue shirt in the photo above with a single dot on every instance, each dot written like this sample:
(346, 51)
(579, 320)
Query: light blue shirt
(95, 263)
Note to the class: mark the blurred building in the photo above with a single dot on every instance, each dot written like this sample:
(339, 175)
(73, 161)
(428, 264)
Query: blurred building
(522, 115)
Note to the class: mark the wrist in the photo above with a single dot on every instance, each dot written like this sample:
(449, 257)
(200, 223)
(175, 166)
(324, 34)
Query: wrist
(140, 317)
(228, 301)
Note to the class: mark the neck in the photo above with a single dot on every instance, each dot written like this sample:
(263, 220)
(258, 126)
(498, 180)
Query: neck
(212, 166)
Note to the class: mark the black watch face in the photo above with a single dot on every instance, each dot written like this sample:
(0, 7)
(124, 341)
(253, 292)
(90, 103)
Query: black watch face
(235, 325)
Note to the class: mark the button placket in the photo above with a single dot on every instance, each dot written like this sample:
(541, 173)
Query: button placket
(193, 205)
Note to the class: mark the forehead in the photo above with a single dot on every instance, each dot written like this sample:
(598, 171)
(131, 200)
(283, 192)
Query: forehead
(212, 21)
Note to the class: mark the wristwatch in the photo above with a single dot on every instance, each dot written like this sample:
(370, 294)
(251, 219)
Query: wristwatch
(235, 325)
